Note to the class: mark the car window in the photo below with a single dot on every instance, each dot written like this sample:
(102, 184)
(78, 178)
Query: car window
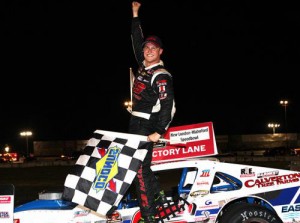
(225, 182)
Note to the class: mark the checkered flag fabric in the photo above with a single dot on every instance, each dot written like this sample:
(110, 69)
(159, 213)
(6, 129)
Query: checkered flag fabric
(105, 171)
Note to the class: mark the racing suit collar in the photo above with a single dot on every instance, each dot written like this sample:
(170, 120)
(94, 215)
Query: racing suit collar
(154, 65)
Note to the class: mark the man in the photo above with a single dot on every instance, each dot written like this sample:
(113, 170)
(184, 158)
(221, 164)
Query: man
(153, 108)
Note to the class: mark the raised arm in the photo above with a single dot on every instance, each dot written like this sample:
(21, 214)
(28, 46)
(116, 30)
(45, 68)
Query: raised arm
(137, 36)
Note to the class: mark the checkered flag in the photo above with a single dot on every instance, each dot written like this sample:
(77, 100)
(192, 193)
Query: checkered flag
(105, 171)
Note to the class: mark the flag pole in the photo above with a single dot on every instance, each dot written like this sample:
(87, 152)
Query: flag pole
(131, 79)
(131, 82)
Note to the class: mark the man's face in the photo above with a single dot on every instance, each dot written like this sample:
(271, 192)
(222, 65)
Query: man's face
(152, 53)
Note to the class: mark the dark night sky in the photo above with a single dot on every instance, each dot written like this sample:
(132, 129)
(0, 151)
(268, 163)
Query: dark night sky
(66, 65)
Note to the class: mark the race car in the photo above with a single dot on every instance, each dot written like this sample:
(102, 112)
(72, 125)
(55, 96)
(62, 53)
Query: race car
(198, 186)
(207, 191)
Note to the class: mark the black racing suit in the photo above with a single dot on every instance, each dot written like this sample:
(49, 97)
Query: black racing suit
(153, 109)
